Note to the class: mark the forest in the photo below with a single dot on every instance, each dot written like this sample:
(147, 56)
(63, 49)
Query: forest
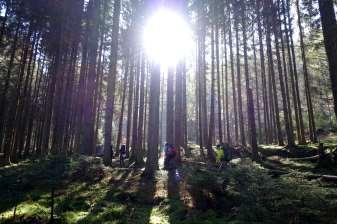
(168, 111)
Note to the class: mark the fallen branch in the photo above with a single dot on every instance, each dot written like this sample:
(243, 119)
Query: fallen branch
(323, 177)
(277, 172)
(274, 171)
(316, 157)
(329, 177)
(308, 176)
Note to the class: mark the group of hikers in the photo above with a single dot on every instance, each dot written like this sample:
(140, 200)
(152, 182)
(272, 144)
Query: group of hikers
(171, 153)
(170, 156)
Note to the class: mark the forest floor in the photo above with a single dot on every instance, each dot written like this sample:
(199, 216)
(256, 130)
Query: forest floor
(277, 190)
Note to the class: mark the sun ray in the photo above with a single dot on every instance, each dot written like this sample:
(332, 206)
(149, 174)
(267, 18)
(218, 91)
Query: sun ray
(167, 37)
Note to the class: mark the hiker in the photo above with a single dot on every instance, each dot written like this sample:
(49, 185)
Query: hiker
(122, 155)
(227, 153)
(170, 156)
(99, 151)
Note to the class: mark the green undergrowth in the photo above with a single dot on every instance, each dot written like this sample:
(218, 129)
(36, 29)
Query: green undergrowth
(296, 151)
(84, 192)
(88, 192)
(248, 194)
(329, 141)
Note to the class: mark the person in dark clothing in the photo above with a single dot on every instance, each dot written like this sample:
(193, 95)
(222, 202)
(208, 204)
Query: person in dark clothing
(122, 155)
(227, 152)
(170, 157)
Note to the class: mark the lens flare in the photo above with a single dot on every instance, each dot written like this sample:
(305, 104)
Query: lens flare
(167, 37)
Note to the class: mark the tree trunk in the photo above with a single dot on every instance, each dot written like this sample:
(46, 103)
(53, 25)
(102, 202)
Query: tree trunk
(294, 79)
(87, 142)
(218, 81)
(289, 131)
(228, 134)
(300, 136)
(121, 118)
(272, 77)
(170, 107)
(111, 83)
(312, 126)
(259, 132)
(139, 145)
(210, 152)
(178, 122)
(329, 27)
(238, 75)
(231, 56)
(135, 113)
(153, 126)
(245, 56)
(285, 71)
(266, 116)
(130, 100)
(252, 127)
(3, 103)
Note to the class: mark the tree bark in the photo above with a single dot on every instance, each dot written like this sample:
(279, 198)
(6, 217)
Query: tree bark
(268, 137)
(121, 118)
(252, 126)
(153, 126)
(218, 81)
(141, 112)
(294, 78)
(289, 131)
(170, 107)
(87, 142)
(210, 153)
(329, 26)
(231, 56)
(111, 83)
(238, 75)
(272, 75)
(312, 126)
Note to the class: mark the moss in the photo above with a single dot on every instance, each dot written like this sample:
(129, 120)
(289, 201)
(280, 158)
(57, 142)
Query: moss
(255, 197)
(157, 216)
(111, 213)
(73, 217)
(244, 193)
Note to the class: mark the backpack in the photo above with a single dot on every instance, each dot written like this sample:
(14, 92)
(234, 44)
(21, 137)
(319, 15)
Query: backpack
(227, 154)
(172, 151)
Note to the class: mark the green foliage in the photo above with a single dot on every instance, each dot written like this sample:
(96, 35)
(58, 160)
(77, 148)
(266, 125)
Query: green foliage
(256, 197)
(241, 194)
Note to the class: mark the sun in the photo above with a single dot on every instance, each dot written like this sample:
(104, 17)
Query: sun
(167, 37)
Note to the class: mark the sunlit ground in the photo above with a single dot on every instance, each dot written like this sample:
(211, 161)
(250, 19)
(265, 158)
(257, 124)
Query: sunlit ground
(88, 192)
(167, 37)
